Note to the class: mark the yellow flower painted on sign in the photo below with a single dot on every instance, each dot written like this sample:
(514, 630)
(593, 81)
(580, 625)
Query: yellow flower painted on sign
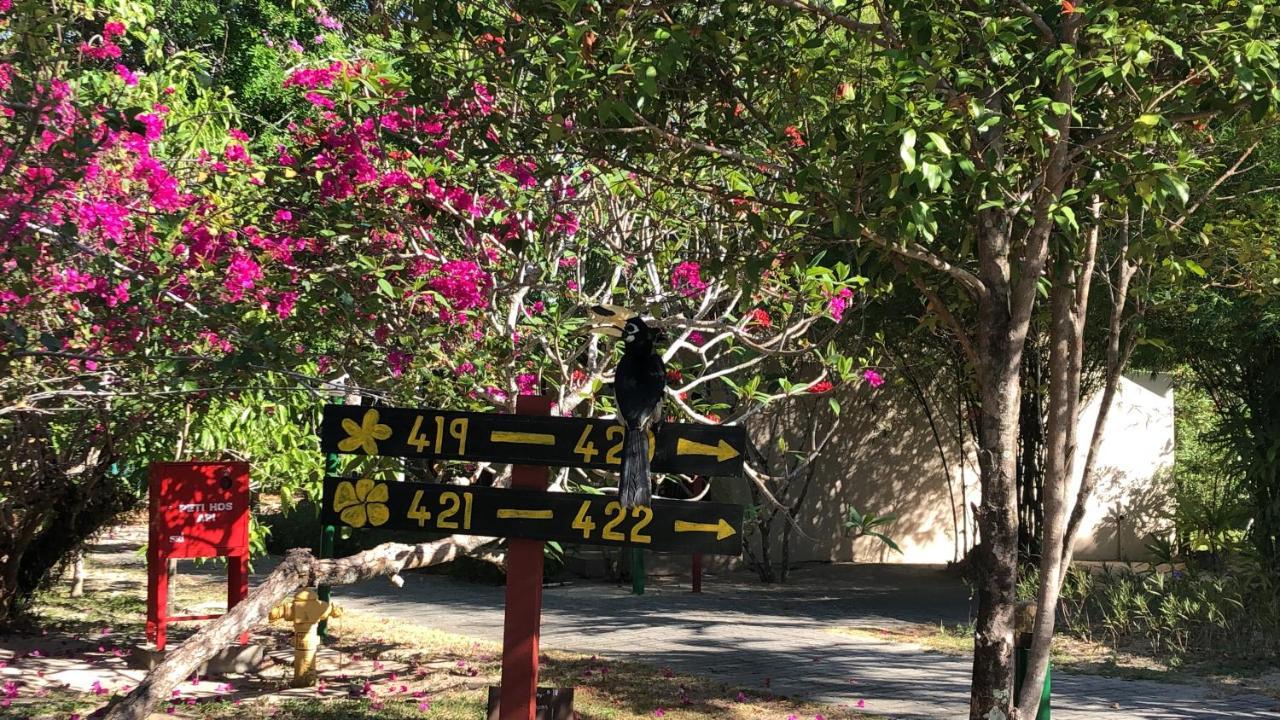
(364, 502)
(365, 434)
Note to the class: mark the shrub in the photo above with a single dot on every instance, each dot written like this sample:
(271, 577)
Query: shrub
(1174, 614)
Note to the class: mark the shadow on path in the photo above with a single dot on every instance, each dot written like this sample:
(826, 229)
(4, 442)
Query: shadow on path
(743, 633)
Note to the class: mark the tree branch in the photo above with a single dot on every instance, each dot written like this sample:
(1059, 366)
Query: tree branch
(299, 569)
(1216, 183)
(848, 23)
(919, 253)
(1046, 32)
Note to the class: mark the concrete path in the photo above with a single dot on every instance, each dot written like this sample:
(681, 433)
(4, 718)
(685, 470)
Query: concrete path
(742, 633)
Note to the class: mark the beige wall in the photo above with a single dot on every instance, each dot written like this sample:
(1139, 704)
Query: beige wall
(885, 460)
(1133, 498)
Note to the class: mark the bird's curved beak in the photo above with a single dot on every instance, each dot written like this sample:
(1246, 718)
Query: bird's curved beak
(608, 320)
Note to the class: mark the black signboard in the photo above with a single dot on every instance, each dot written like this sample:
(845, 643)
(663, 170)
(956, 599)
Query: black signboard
(526, 439)
(669, 525)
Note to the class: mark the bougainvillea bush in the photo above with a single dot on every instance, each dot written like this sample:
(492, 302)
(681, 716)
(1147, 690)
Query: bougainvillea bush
(162, 264)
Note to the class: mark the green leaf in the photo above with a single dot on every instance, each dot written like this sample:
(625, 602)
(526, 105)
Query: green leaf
(907, 150)
(932, 175)
(385, 288)
(1194, 267)
(1149, 119)
(886, 540)
(1255, 16)
(939, 143)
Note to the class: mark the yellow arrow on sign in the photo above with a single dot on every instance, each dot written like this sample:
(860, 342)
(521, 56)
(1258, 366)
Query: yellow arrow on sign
(724, 451)
(522, 438)
(722, 529)
(513, 514)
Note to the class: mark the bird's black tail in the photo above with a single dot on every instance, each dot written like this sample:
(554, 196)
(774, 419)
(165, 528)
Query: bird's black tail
(634, 488)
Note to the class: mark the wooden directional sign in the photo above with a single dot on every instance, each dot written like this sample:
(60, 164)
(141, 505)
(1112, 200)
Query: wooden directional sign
(530, 440)
(670, 525)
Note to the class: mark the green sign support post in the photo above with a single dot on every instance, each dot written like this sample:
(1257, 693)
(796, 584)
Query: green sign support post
(327, 532)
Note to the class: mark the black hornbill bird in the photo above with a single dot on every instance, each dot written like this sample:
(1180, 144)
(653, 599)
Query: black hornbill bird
(638, 384)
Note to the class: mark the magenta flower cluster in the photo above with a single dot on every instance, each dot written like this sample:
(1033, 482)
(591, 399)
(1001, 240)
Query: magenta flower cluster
(686, 278)
(838, 303)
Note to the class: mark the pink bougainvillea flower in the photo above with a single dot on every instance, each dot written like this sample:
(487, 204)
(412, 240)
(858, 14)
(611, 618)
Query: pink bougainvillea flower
(873, 378)
(126, 74)
(235, 152)
(319, 100)
(463, 284)
(242, 274)
(861, 704)
(686, 278)
(838, 303)
(742, 697)
(659, 712)
(398, 362)
(527, 383)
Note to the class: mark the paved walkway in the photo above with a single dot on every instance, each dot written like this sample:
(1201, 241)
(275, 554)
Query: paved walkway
(741, 633)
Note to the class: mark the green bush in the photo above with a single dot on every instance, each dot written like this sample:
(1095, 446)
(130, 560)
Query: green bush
(1230, 614)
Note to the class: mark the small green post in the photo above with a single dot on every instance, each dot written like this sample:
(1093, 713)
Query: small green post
(327, 534)
(1020, 658)
(637, 571)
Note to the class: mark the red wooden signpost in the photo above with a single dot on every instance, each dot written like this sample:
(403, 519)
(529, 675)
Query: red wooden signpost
(198, 510)
(523, 619)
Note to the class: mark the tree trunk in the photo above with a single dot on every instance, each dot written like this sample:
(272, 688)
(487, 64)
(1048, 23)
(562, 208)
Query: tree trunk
(1069, 307)
(997, 549)
(77, 575)
(1000, 338)
(298, 569)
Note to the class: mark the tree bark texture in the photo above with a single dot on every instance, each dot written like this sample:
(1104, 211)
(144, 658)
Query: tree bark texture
(299, 569)
(1000, 339)
(1069, 306)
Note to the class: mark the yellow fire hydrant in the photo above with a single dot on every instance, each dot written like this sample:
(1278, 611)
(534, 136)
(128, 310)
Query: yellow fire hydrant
(306, 609)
